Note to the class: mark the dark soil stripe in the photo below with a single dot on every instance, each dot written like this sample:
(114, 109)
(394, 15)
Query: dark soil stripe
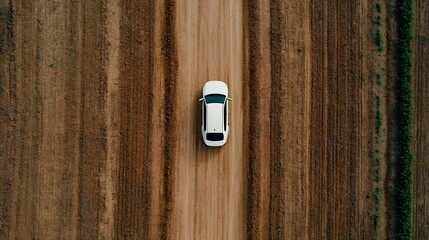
(335, 120)
(170, 68)
(404, 108)
(7, 113)
(253, 158)
(136, 77)
(317, 167)
(254, 83)
(72, 103)
(277, 165)
(93, 117)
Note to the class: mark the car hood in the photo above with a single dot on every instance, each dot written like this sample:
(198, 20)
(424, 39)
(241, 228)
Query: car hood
(215, 86)
(214, 117)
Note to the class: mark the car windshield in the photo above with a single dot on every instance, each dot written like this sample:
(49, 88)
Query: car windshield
(214, 136)
(215, 98)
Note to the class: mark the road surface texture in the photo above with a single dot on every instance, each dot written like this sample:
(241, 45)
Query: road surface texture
(100, 120)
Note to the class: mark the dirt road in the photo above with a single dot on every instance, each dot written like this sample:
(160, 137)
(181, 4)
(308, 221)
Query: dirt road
(100, 121)
(209, 183)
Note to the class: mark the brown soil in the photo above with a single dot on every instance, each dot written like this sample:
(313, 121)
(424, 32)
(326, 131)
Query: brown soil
(100, 124)
(339, 121)
(135, 83)
(421, 118)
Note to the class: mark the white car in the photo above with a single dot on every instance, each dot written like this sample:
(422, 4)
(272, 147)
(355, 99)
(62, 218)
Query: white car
(214, 109)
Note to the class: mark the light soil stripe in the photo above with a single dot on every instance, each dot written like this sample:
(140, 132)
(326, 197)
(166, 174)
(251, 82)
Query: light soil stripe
(108, 178)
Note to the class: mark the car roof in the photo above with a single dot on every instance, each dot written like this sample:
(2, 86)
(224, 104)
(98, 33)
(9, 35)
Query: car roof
(215, 117)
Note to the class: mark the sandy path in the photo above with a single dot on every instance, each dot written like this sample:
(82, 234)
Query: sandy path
(209, 180)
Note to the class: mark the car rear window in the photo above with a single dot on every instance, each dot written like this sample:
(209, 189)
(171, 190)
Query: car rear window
(215, 98)
(214, 136)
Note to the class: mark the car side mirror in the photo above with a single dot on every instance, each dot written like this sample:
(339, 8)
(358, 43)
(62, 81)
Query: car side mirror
(229, 99)
(201, 99)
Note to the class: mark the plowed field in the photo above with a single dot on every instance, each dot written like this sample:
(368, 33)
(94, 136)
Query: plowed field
(100, 124)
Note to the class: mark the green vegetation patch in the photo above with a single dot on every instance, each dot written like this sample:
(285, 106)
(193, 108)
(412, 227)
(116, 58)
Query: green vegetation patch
(378, 116)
